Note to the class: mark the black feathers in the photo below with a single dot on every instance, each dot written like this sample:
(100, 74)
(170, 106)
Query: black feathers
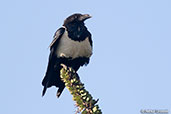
(76, 18)
(53, 73)
(75, 27)
(56, 37)
(72, 46)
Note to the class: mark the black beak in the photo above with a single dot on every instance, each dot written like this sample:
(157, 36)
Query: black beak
(85, 17)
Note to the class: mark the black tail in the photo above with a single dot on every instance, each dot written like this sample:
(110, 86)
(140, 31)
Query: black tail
(60, 90)
(44, 89)
(46, 82)
(52, 78)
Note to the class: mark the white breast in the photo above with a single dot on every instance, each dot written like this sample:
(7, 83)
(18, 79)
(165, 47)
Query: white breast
(74, 49)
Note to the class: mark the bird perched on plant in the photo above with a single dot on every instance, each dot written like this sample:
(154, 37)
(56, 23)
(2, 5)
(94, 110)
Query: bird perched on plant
(72, 46)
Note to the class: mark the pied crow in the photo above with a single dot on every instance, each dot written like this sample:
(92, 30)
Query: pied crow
(72, 46)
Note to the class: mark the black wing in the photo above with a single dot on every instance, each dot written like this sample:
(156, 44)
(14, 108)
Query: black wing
(56, 37)
(51, 77)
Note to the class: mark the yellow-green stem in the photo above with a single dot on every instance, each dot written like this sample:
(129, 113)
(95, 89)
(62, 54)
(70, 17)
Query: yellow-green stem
(84, 101)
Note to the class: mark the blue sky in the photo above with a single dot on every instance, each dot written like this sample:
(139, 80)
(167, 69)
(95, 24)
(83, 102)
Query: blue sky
(130, 68)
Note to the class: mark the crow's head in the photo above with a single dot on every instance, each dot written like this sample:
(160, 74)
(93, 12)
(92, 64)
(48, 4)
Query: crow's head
(76, 18)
